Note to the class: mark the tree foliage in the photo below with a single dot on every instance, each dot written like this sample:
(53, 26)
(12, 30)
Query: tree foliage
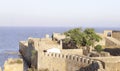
(91, 37)
(82, 38)
(75, 36)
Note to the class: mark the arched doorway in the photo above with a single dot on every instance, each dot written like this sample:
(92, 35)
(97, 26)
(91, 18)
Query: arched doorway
(109, 34)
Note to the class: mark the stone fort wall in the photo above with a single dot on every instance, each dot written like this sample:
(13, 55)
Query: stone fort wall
(62, 62)
(54, 61)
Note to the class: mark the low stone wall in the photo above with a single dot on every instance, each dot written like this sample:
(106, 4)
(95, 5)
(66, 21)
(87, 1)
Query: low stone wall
(62, 62)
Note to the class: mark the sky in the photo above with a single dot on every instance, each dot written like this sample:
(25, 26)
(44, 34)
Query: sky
(60, 13)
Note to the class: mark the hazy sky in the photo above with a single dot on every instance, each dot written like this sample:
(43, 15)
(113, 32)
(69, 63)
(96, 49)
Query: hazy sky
(90, 13)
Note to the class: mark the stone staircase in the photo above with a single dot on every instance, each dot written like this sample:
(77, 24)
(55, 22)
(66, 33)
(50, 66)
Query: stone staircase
(115, 41)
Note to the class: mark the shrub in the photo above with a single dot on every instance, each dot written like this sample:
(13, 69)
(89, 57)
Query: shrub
(98, 48)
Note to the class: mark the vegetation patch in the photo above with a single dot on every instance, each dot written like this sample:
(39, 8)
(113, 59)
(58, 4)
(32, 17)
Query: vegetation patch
(98, 48)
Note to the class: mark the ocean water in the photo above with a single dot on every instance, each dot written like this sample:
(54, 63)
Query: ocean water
(10, 37)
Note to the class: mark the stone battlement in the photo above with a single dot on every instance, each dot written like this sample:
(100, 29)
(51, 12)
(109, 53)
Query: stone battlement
(71, 57)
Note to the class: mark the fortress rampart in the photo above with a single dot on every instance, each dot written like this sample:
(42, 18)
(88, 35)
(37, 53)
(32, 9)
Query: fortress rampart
(55, 61)
(63, 62)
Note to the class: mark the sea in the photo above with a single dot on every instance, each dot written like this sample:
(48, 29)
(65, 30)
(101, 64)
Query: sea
(10, 37)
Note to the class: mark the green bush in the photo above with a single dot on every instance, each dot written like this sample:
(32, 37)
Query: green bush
(98, 48)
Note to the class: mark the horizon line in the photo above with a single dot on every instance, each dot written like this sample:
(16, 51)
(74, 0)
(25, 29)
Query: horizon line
(66, 26)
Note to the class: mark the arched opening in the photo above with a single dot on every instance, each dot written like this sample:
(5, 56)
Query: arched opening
(109, 34)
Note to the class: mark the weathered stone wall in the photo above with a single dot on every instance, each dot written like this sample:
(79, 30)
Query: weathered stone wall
(116, 34)
(110, 63)
(62, 62)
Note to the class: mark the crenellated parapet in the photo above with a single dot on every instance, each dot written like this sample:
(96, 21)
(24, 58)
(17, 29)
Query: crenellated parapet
(70, 57)
(75, 61)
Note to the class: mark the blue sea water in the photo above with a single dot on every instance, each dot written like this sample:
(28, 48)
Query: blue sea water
(10, 37)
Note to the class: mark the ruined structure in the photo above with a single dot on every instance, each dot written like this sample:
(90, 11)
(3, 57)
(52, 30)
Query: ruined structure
(48, 53)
